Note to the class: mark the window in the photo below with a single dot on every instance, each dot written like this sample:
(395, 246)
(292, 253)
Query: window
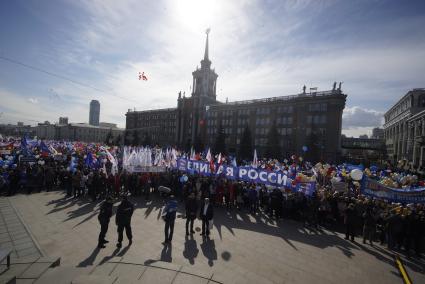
(421, 101)
(323, 119)
(290, 120)
(309, 119)
(308, 131)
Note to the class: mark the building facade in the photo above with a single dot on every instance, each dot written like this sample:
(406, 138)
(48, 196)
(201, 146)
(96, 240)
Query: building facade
(403, 128)
(94, 113)
(79, 132)
(306, 119)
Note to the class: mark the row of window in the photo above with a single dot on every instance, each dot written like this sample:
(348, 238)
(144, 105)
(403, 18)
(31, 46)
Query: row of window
(318, 107)
(316, 119)
(263, 110)
(262, 121)
(284, 131)
(284, 120)
(318, 131)
(285, 109)
(156, 116)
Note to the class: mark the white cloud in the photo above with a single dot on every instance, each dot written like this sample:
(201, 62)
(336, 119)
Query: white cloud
(257, 50)
(354, 117)
(33, 100)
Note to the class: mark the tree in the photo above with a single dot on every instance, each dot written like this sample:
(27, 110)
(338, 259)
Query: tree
(127, 138)
(273, 150)
(118, 140)
(136, 138)
(109, 138)
(220, 141)
(198, 145)
(245, 147)
(147, 141)
(313, 147)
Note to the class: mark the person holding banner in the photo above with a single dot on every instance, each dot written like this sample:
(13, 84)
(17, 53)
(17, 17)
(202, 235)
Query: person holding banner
(206, 215)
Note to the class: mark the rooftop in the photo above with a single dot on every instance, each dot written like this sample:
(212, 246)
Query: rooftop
(283, 98)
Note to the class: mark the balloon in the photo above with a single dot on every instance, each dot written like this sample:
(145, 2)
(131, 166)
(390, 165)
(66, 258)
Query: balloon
(305, 148)
(356, 174)
(185, 178)
(164, 189)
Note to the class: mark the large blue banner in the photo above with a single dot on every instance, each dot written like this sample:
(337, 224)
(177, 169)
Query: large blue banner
(375, 189)
(248, 174)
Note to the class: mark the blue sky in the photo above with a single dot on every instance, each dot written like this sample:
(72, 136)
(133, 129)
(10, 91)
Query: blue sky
(258, 48)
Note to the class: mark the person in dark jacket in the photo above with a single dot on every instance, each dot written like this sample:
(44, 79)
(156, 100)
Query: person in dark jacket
(206, 215)
(350, 221)
(369, 225)
(104, 217)
(169, 216)
(123, 220)
(191, 209)
(276, 200)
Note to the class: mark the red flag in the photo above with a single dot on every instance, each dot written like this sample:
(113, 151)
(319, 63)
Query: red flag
(142, 76)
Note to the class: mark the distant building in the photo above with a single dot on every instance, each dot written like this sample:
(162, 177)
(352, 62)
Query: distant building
(404, 128)
(63, 120)
(107, 124)
(363, 150)
(94, 113)
(364, 136)
(45, 131)
(378, 133)
(306, 119)
(80, 132)
(87, 133)
(18, 129)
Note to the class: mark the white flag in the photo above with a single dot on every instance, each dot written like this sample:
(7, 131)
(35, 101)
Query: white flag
(255, 159)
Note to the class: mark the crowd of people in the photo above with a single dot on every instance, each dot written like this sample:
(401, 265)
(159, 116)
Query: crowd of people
(399, 226)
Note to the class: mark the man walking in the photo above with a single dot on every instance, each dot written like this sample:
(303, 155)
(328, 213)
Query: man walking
(206, 214)
(123, 220)
(104, 217)
(191, 209)
(169, 216)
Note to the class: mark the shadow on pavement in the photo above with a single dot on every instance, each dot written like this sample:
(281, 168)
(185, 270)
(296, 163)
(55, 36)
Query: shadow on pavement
(209, 251)
(191, 250)
(90, 259)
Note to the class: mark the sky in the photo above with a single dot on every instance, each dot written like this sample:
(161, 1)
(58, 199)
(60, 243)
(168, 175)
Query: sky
(56, 56)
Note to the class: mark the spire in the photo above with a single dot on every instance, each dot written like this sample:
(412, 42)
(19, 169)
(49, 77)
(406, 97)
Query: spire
(206, 45)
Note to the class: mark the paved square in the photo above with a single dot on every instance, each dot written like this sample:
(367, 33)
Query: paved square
(243, 248)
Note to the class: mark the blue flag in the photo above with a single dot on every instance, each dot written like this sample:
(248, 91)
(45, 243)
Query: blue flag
(44, 148)
(24, 147)
(88, 161)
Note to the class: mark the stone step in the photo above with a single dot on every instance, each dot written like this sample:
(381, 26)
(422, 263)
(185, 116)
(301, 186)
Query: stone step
(29, 269)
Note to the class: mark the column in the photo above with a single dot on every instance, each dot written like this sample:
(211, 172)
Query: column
(402, 139)
(413, 141)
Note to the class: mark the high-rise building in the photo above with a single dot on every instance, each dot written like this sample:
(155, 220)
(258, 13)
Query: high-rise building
(63, 120)
(303, 121)
(94, 113)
